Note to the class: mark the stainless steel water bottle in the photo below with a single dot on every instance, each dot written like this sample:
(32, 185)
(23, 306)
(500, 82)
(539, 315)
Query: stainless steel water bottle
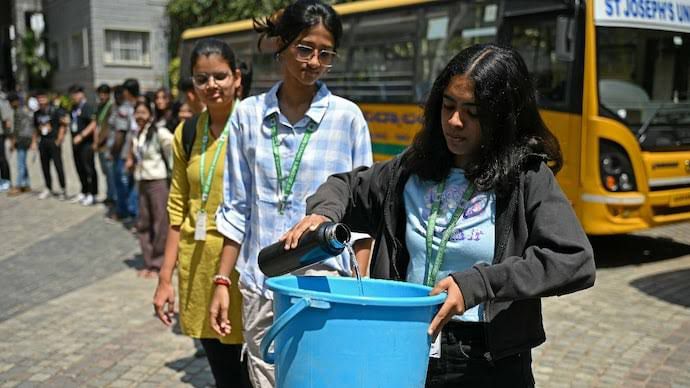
(328, 240)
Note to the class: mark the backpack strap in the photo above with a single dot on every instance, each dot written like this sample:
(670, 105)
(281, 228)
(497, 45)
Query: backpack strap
(189, 134)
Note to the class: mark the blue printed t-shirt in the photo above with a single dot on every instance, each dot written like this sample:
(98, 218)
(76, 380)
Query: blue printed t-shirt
(472, 241)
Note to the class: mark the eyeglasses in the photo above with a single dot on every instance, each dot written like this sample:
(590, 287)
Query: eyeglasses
(306, 53)
(201, 79)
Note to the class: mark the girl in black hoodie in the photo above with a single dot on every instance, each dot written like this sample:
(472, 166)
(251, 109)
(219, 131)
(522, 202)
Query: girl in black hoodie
(472, 208)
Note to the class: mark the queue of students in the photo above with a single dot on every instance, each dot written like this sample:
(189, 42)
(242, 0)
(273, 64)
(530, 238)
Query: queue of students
(275, 165)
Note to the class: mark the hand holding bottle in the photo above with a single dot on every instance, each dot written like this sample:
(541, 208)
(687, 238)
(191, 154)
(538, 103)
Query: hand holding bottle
(310, 222)
(311, 241)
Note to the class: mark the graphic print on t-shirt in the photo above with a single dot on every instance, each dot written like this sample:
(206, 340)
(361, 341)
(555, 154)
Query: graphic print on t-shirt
(450, 199)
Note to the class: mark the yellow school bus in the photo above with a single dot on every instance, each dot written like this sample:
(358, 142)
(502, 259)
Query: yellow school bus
(612, 78)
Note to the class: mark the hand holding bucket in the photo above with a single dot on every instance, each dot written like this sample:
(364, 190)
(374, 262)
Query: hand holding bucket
(453, 305)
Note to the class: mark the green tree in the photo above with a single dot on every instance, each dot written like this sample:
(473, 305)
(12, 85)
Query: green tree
(30, 54)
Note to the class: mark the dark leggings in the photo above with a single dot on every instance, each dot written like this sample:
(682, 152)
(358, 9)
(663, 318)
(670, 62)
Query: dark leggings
(51, 151)
(227, 369)
(4, 166)
(463, 364)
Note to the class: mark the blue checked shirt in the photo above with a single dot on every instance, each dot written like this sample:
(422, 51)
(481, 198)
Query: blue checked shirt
(249, 212)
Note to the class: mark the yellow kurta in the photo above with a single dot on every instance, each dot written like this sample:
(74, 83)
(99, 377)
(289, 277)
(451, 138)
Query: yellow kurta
(198, 261)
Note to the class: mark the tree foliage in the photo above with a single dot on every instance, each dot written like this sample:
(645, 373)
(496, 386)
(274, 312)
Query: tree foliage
(30, 54)
(184, 14)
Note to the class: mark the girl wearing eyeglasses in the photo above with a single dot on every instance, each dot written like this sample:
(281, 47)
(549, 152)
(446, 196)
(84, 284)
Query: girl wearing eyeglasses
(285, 143)
(194, 243)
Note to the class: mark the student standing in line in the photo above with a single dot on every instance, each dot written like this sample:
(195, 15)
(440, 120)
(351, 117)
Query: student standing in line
(23, 140)
(151, 154)
(472, 208)
(246, 85)
(194, 243)
(51, 124)
(124, 127)
(102, 144)
(186, 86)
(6, 114)
(184, 112)
(164, 110)
(83, 126)
(285, 143)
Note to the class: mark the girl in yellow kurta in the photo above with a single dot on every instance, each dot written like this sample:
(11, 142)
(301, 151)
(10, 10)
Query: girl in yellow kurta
(197, 255)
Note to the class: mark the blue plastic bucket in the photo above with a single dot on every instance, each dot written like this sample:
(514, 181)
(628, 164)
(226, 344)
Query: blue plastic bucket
(327, 335)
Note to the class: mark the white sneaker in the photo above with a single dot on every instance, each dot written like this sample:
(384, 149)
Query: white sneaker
(79, 198)
(44, 194)
(88, 200)
(4, 185)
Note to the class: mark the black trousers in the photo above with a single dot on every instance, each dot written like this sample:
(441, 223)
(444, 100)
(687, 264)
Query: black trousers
(86, 167)
(227, 369)
(51, 152)
(4, 166)
(463, 364)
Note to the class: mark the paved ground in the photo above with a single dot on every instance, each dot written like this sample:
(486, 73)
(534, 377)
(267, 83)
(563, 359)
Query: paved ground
(73, 313)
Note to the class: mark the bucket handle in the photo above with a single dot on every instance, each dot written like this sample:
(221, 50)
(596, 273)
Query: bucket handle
(282, 321)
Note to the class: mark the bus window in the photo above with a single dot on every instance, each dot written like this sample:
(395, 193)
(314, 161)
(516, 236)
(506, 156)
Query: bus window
(243, 45)
(382, 58)
(535, 39)
(643, 81)
(337, 76)
(448, 30)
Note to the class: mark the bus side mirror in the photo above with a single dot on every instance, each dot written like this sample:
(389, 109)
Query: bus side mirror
(565, 39)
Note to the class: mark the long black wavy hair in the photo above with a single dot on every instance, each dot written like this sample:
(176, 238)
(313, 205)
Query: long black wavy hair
(289, 23)
(511, 127)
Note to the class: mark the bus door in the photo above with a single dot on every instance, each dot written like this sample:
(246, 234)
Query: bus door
(550, 37)
(643, 67)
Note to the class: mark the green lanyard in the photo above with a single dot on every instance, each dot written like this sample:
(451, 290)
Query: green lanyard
(433, 265)
(206, 183)
(104, 110)
(285, 188)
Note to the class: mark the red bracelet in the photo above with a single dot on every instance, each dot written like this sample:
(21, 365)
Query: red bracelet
(221, 280)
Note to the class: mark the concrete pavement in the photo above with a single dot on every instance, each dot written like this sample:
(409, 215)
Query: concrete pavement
(72, 311)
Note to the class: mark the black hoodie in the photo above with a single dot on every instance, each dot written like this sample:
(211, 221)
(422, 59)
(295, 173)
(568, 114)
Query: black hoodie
(540, 247)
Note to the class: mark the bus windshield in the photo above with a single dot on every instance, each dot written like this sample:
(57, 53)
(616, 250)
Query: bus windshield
(643, 80)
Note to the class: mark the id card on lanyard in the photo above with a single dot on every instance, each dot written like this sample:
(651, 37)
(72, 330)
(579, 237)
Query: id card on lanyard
(74, 125)
(433, 264)
(207, 180)
(285, 184)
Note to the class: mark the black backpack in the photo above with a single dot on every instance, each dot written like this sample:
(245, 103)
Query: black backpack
(188, 135)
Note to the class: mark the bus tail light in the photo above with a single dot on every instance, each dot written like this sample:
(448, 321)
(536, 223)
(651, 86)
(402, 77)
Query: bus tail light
(615, 168)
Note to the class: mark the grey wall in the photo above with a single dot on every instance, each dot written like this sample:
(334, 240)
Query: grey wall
(67, 17)
(137, 15)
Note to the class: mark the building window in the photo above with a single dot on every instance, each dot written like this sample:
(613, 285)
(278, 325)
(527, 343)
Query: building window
(54, 55)
(127, 48)
(79, 46)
